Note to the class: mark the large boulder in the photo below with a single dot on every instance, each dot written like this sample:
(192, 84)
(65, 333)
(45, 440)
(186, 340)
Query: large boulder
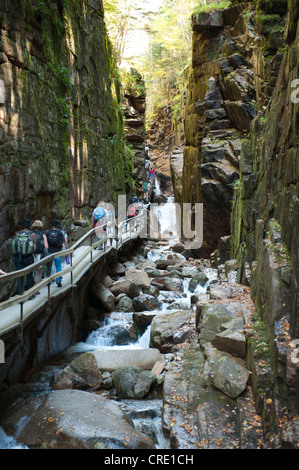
(74, 419)
(82, 373)
(144, 319)
(212, 317)
(111, 359)
(229, 377)
(133, 382)
(198, 279)
(169, 283)
(103, 295)
(140, 278)
(125, 304)
(169, 329)
(124, 286)
(145, 302)
(232, 339)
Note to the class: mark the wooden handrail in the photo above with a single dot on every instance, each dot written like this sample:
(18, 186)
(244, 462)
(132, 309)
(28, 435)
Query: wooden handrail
(94, 243)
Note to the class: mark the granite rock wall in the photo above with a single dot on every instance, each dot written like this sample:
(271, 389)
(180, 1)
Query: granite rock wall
(61, 121)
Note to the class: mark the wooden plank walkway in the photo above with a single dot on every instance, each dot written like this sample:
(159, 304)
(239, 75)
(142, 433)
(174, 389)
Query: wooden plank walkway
(13, 312)
(10, 316)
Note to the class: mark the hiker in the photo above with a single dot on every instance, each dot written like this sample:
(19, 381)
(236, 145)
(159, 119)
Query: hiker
(134, 199)
(110, 230)
(145, 188)
(98, 221)
(144, 202)
(65, 246)
(131, 212)
(99, 216)
(147, 153)
(147, 164)
(55, 238)
(152, 173)
(41, 249)
(23, 246)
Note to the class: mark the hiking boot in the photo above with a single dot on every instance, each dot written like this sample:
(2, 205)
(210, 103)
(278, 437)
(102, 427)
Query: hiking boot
(32, 297)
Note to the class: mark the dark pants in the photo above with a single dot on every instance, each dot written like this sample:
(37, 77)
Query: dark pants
(20, 264)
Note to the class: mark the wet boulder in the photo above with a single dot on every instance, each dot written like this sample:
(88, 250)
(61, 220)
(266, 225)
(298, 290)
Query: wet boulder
(144, 319)
(139, 277)
(133, 382)
(164, 263)
(110, 360)
(189, 271)
(232, 339)
(117, 269)
(169, 283)
(229, 377)
(125, 304)
(169, 329)
(152, 290)
(198, 279)
(210, 318)
(103, 295)
(74, 419)
(124, 286)
(82, 373)
(146, 302)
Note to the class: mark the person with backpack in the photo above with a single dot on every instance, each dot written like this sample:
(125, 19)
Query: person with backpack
(99, 220)
(23, 248)
(145, 189)
(41, 249)
(55, 238)
(152, 174)
(65, 246)
(147, 153)
(134, 199)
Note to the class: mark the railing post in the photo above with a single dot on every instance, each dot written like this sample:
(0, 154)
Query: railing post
(21, 312)
(90, 244)
(71, 261)
(49, 294)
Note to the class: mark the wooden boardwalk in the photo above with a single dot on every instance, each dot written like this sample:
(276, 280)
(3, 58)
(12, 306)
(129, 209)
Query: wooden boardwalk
(19, 308)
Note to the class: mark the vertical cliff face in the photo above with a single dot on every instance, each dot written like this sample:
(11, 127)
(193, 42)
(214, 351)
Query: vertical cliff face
(241, 161)
(134, 126)
(265, 217)
(266, 207)
(61, 129)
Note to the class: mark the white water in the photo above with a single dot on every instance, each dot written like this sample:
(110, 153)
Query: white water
(9, 442)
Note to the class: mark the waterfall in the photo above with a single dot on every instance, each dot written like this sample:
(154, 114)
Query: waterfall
(9, 442)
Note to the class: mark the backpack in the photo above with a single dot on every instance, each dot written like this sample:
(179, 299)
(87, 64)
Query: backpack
(99, 212)
(22, 245)
(39, 241)
(55, 238)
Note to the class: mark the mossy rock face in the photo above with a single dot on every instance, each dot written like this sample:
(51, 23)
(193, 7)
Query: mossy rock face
(273, 6)
(67, 151)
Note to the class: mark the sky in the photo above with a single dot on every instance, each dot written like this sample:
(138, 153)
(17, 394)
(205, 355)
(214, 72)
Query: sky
(137, 41)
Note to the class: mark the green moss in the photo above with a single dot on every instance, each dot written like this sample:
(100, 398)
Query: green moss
(212, 7)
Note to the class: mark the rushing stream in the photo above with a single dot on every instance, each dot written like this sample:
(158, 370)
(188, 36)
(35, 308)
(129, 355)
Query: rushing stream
(146, 414)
